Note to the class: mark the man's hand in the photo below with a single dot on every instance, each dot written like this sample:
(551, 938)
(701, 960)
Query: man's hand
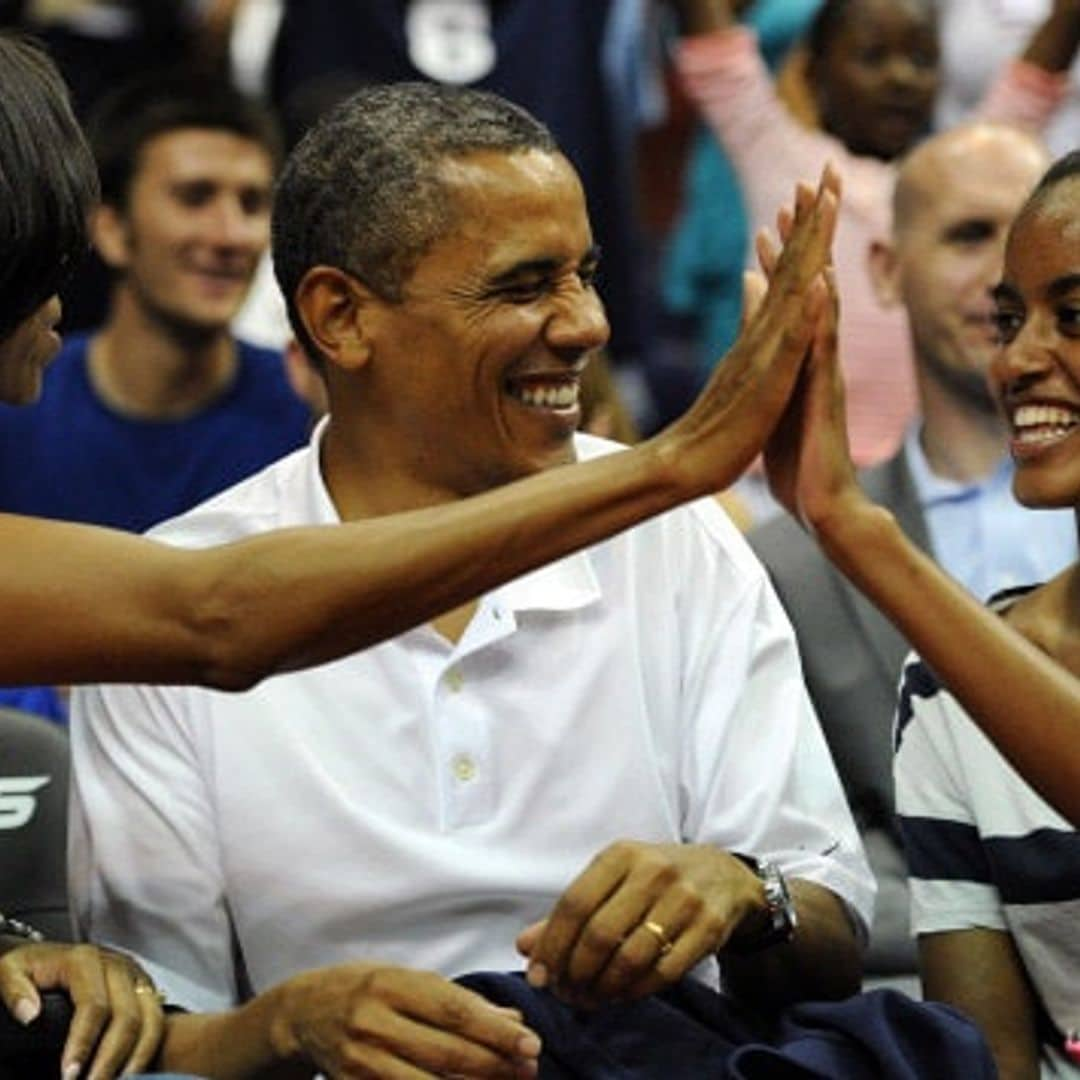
(371, 1020)
(638, 919)
(727, 427)
(118, 1020)
(807, 458)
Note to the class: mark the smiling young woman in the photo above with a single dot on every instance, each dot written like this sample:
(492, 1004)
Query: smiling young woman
(1016, 674)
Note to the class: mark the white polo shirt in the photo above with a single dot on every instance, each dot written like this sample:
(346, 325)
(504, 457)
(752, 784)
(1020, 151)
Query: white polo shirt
(420, 802)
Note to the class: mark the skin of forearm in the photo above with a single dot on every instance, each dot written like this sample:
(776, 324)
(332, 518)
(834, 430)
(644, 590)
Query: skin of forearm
(235, 1045)
(229, 616)
(1053, 45)
(1027, 703)
(822, 962)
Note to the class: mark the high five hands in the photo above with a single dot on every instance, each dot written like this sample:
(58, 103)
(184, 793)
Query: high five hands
(710, 446)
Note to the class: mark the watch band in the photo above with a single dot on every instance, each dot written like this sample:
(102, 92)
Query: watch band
(16, 928)
(780, 910)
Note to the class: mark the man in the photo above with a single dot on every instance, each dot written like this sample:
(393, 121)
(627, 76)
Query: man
(612, 761)
(162, 406)
(949, 486)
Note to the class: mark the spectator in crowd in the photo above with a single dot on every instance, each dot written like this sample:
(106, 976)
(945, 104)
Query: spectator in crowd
(161, 406)
(606, 700)
(949, 484)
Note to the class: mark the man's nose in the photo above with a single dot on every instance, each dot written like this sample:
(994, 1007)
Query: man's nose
(579, 321)
(235, 226)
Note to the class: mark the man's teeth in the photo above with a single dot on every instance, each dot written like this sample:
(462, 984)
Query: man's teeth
(561, 396)
(1043, 423)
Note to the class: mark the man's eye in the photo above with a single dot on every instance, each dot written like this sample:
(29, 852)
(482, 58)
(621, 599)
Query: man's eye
(1068, 318)
(1008, 324)
(588, 275)
(255, 202)
(194, 194)
(521, 292)
(970, 233)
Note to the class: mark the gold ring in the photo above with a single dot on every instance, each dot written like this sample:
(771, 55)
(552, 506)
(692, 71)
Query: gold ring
(149, 988)
(660, 934)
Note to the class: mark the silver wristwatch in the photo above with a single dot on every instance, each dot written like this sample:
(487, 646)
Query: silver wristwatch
(782, 917)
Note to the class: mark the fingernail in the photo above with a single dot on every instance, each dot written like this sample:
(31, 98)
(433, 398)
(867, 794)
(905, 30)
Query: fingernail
(26, 1012)
(536, 975)
(528, 1046)
(71, 1072)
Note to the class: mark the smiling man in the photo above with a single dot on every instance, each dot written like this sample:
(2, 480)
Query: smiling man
(607, 771)
(161, 407)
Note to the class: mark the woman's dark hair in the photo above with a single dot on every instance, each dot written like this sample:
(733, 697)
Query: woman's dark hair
(47, 181)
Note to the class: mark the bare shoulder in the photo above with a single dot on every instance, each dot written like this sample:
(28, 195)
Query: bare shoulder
(1049, 616)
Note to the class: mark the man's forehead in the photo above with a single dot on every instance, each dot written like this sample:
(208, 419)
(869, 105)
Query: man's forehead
(514, 171)
(516, 205)
(191, 147)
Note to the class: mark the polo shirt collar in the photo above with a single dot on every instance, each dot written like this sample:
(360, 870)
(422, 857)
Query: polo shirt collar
(564, 585)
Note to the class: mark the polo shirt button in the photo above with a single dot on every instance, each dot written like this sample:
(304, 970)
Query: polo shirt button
(464, 768)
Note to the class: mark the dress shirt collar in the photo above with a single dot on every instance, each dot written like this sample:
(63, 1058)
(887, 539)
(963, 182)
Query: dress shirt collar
(933, 490)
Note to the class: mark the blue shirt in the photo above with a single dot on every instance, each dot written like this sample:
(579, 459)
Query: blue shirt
(981, 535)
(72, 457)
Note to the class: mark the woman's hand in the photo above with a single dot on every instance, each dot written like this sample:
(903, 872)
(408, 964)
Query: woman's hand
(118, 1021)
(807, 458)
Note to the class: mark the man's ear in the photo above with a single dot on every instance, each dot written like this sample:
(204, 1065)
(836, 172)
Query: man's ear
(884, 267)
(109, 234)
(336, 310)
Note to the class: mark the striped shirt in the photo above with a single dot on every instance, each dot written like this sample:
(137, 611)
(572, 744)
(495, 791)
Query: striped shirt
(985, 851)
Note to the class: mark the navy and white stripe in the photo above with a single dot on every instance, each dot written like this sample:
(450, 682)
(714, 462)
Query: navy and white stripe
(984, 850)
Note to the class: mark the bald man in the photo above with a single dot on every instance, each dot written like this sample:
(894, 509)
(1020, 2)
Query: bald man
(949, 485)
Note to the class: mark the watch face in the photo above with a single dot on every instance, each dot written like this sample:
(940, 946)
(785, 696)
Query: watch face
(782, 914)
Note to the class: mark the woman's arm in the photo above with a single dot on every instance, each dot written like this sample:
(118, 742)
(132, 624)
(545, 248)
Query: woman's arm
(82, 603)
(980, 973)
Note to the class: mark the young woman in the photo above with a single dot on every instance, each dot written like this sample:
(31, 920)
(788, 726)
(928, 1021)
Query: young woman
(1016, 673)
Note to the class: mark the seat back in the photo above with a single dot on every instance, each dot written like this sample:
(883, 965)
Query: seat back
(34, 765)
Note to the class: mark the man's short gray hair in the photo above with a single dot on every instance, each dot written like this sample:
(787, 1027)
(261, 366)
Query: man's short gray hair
(363, 189)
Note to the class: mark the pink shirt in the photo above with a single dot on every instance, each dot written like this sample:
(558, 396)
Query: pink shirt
(724, 75)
